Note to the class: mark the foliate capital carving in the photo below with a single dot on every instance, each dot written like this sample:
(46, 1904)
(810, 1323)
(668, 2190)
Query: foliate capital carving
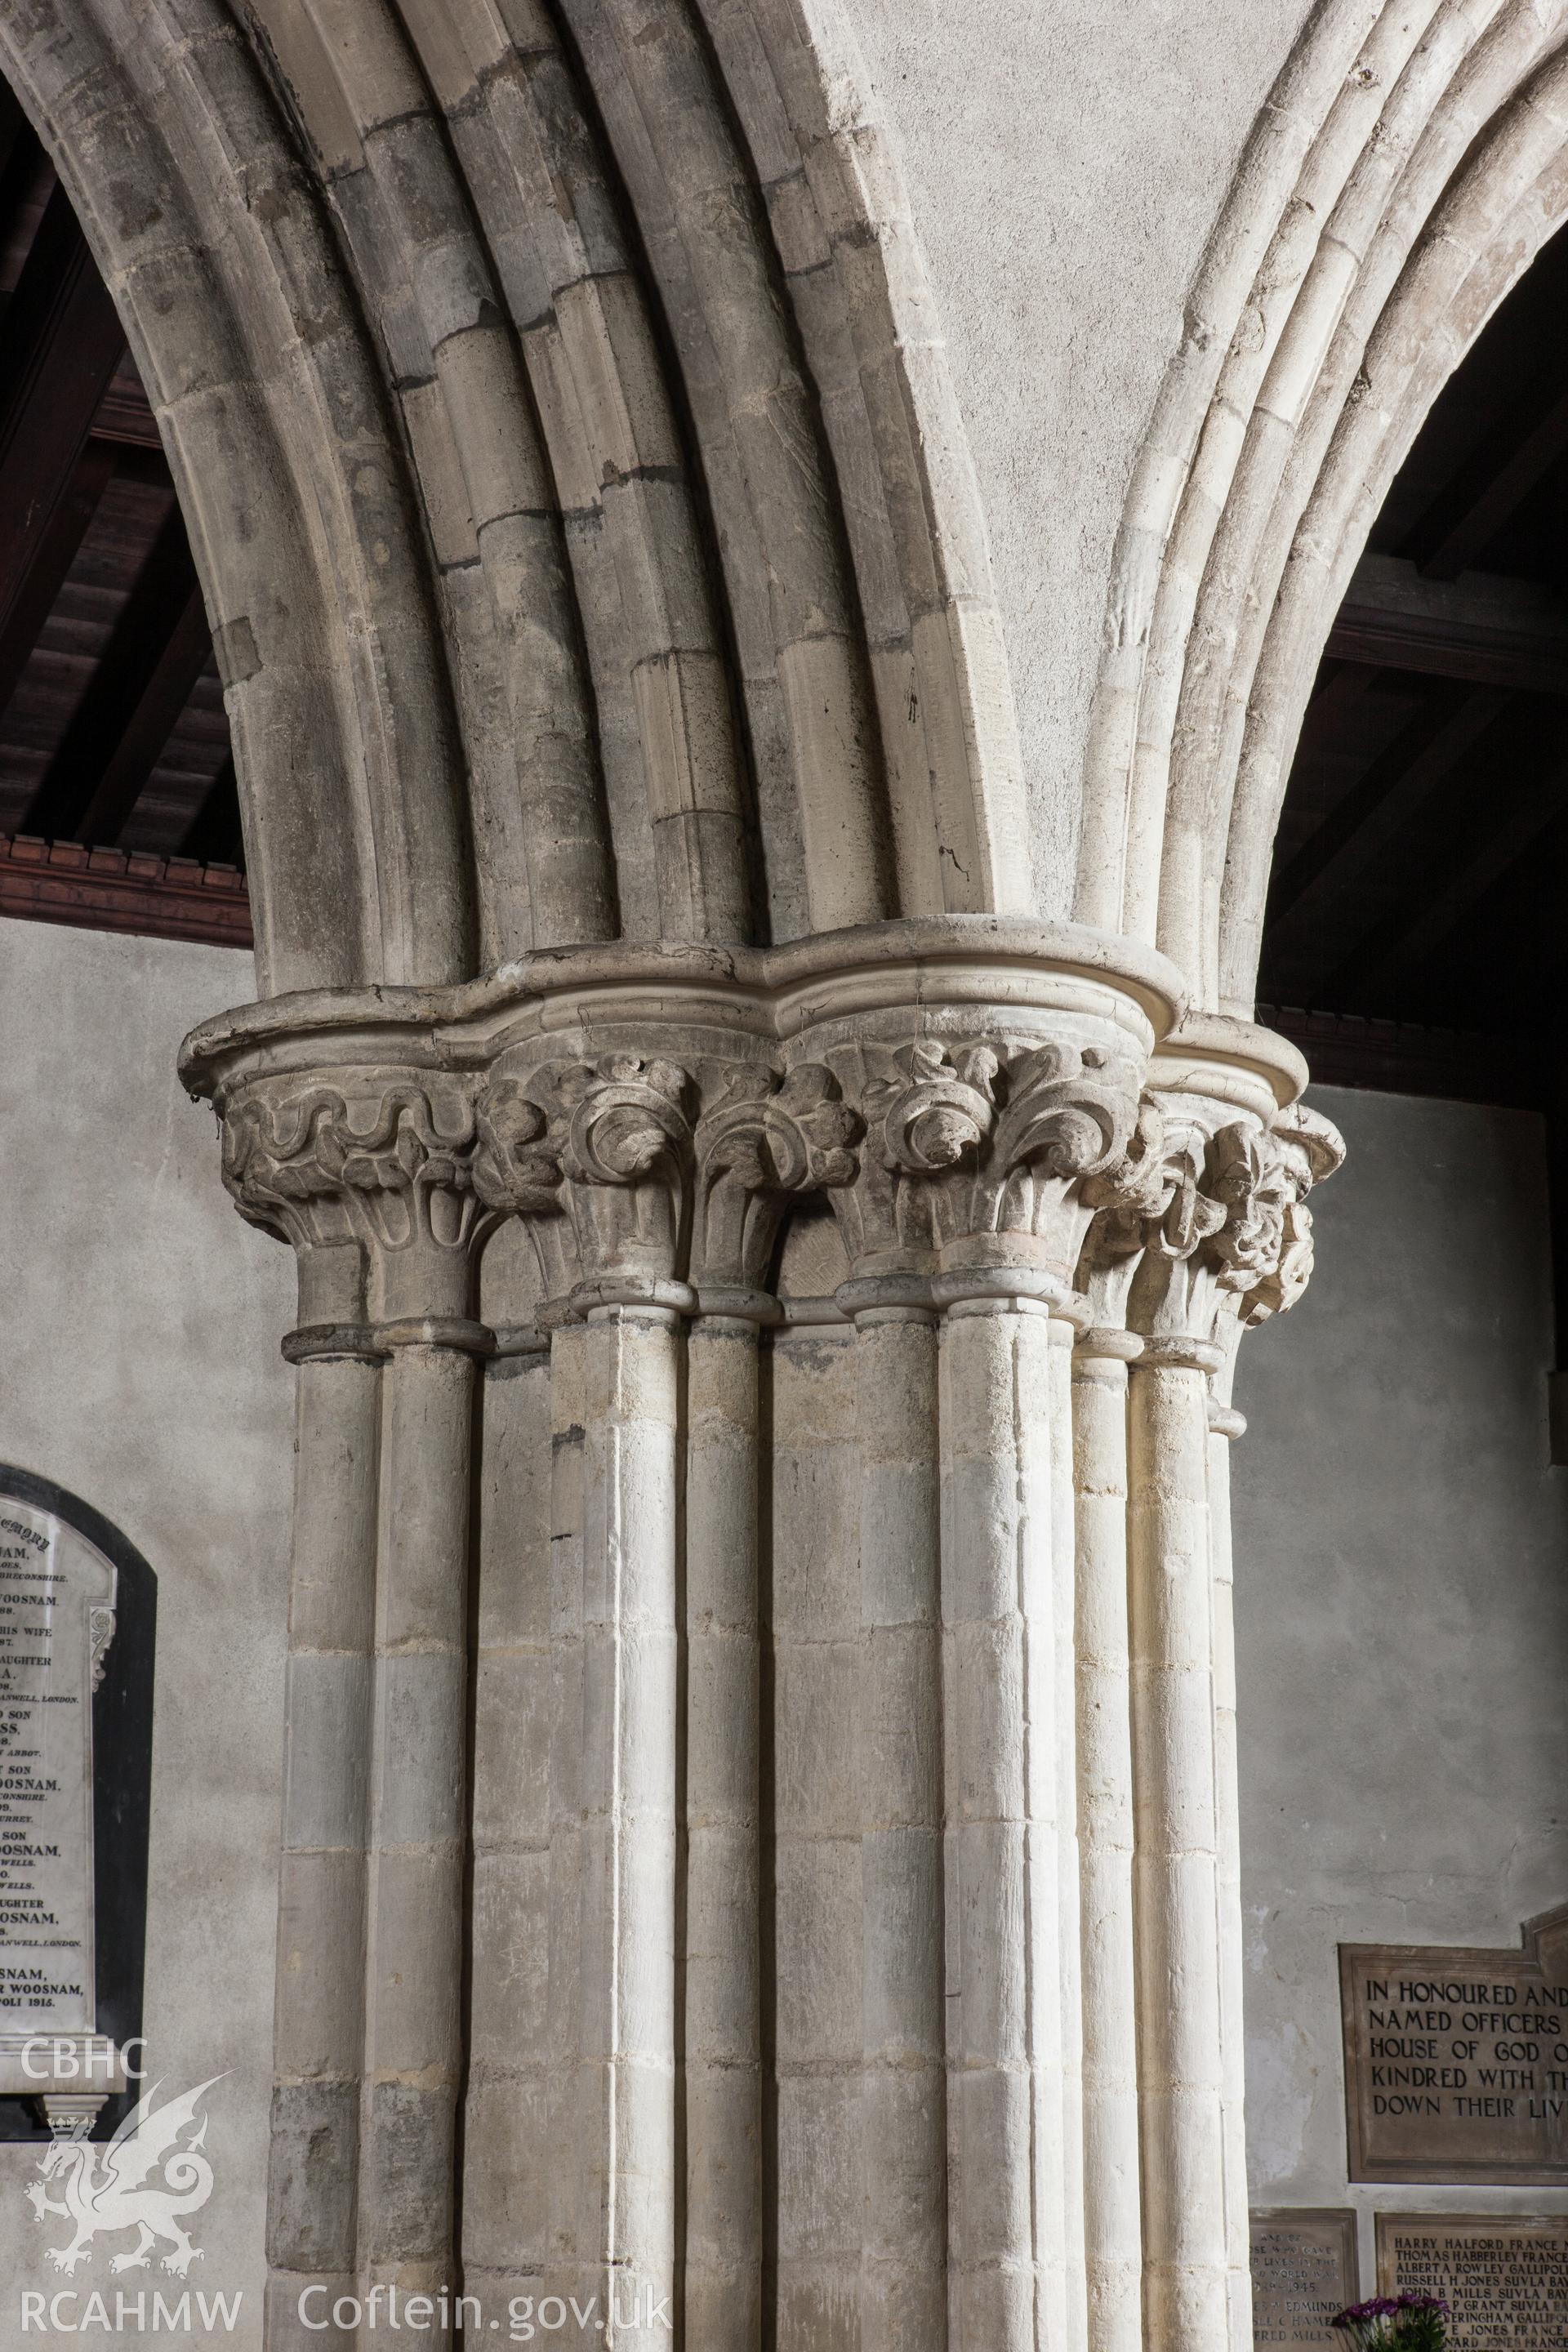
(517, 1167)
(1149, 1201)
(1245, 1178)
(978, 1152)
(1308, 1148)
(1200, 1224)
(638, 1179)
(763, 1140)
(595, 1156)
(926, 1109)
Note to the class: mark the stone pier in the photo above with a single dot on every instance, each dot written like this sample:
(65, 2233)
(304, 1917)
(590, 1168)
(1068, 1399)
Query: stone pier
(818, 1909)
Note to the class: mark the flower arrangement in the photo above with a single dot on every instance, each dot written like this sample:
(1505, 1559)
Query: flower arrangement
(1400, 2323)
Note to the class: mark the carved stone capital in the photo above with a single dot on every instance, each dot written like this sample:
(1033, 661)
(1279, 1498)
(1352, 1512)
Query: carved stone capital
(640, 1181)
(1202, 1228)
(763, 1140)
(1171, 1297)
(1309, 1148)
(1149, 1197)
(595, 1156)
(994, 1064)
(381, 1165)
(976, 1158)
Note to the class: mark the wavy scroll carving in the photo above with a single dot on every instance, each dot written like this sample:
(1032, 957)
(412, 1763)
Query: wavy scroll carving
(394, 1168)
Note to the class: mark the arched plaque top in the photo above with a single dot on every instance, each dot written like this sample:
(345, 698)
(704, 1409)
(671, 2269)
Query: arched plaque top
(70, 1848)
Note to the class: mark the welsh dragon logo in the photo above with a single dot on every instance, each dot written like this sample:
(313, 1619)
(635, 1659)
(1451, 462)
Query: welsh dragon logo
(142, 2179)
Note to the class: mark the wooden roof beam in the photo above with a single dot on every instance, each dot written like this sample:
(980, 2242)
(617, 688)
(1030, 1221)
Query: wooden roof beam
(1365, 825)
(63, 341)
(1434, 919)
(1497, 497)
(154, 655)
(184, 655)
(213, 836)
(1483, 626)
(52, 552)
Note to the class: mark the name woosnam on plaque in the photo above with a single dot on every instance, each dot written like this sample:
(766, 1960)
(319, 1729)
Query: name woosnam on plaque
(56, 1619)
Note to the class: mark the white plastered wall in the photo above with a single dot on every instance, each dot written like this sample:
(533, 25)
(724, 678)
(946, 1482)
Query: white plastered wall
(1402, 1610)
(141, 1323)
(1066, 162)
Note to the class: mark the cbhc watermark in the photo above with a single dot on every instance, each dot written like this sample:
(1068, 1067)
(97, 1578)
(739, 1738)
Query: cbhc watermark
(69, 2060)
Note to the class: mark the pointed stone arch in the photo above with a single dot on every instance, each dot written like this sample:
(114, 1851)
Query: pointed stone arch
(1407, 167)
(570, 462)
(291, 482)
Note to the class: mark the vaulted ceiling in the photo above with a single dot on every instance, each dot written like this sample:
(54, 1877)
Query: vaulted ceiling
(117, 790)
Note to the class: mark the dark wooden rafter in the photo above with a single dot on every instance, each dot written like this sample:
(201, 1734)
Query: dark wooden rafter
(1491, 492)
(20, 155)
(62, 343)
(1424, 842)
(1490, 631)
(157, 650)
(1337, 704)
(54, 549)
(1367, 822)
(1409, 1056)
(183, 654)
(1429, 924)
(108, 758)
(214, 835)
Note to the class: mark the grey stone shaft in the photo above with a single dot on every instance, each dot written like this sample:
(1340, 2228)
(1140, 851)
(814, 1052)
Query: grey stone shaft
(723, 2051)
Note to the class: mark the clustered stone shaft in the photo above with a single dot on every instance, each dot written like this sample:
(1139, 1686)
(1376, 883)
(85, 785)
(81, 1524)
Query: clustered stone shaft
(834, 1901)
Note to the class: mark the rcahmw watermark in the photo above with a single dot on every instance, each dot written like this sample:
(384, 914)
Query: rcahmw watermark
(71, 2313)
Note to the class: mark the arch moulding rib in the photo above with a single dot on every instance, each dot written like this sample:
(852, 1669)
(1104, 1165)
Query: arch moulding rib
(293, 489)
(512, 367)
(1348, 275)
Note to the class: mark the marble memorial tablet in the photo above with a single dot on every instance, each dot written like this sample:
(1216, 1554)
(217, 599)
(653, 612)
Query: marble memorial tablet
(1456, 2061)
(1303, 2270)
(56, 1617)
(1504, 2278)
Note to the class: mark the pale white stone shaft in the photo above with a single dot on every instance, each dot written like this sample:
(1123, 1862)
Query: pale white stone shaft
(1006, 2197)
(1230, 1937)
(630, 1705)
(1113, 2218)
(1064, 1579)
(815, 1920)
(903, 2296)
(1176, 1878)
(567, 2190)
(723, 2248)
